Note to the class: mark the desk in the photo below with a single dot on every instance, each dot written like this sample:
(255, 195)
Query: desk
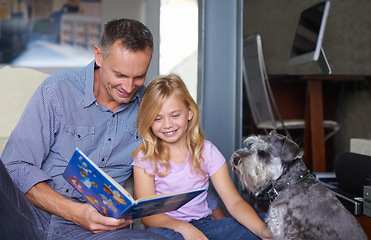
(314, 136)
(301, 97)
(365, 223)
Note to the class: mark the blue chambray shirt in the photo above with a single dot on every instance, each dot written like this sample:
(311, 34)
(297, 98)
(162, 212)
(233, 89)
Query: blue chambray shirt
(62, 115)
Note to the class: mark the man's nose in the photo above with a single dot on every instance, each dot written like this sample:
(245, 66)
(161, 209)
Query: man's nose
(128, 85)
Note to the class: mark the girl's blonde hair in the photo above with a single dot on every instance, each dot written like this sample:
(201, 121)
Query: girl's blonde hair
(154, 149)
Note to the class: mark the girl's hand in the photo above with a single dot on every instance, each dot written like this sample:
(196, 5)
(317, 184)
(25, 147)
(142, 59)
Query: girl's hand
(265, 234)
(190, 232)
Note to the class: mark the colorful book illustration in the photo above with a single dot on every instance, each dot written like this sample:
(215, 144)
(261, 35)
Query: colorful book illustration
(111, 199)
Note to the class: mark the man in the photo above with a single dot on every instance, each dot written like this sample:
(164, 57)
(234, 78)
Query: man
(93, 108)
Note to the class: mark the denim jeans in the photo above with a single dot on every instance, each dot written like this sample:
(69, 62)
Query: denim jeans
(225, 228)
(20, 219)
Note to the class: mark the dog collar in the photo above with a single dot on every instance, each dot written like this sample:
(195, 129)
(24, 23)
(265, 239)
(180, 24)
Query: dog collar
(274, 192)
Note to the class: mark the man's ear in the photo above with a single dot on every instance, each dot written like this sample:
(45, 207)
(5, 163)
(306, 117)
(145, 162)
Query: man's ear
(98, 55)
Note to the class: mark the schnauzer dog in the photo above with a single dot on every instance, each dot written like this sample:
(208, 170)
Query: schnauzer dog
(301, 207)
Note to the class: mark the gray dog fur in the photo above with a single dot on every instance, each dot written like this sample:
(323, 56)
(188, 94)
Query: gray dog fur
(305, 210)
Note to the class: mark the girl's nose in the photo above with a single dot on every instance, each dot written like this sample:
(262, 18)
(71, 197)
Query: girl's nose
(168, 123)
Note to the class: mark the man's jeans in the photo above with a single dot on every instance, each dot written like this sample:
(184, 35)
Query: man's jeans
(20, 219)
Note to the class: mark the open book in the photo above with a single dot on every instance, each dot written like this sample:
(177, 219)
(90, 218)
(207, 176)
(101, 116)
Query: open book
(111, 199)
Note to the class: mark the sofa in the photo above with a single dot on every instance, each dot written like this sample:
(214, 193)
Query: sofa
(16, 88)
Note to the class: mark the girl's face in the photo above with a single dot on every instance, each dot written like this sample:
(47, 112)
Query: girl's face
(171, 122)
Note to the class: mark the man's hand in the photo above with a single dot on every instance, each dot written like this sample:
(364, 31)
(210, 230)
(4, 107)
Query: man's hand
(82, 214)
(90, 219)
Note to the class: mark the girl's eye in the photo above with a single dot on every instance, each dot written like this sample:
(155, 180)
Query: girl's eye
(157, 119)
(176, 115)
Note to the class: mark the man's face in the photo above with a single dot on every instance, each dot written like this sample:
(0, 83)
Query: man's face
(122, 72)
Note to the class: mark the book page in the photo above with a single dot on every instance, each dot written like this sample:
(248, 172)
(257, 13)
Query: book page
(96, 186)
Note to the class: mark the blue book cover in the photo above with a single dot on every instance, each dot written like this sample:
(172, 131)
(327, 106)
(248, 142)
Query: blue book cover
(111, 199)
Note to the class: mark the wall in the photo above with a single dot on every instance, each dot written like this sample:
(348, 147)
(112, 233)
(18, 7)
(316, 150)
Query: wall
(347, 44)
(347, 41)
(146, 11)
(220, 74)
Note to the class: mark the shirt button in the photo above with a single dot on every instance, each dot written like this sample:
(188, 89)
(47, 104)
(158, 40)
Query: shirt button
(102, 159)
(109, 139)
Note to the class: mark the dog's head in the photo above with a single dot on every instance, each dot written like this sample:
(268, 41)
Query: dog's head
(263, 159)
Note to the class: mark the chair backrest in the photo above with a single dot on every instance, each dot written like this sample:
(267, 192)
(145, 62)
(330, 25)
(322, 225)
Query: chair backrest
(256, 80)
(17, 87)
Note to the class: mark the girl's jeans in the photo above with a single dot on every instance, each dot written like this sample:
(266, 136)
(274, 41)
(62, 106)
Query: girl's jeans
(225, 228)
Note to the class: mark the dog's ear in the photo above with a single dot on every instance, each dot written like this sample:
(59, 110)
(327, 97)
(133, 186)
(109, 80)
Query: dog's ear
(273, 132)
(290, 151)
(235, 159)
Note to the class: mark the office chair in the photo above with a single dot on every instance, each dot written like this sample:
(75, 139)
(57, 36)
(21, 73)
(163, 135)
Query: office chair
(260, 97)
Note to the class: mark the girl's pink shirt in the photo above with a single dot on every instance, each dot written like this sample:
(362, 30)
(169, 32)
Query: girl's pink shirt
(182, 178)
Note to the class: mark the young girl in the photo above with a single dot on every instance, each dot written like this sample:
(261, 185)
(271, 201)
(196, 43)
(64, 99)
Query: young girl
(174, 157)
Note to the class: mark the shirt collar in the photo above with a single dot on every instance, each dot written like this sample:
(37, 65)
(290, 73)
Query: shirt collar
(89, 97)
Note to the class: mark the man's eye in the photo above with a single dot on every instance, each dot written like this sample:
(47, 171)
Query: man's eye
(140, 78)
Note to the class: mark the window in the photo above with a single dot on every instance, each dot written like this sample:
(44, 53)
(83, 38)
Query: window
(179, 40)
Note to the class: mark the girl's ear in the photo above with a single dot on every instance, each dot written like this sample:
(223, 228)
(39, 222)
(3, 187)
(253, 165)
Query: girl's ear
(190, 114)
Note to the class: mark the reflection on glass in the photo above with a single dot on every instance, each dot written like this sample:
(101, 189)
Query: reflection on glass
(49, 33)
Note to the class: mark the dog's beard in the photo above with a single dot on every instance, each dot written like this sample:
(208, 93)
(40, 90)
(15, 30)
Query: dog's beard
(255, 174)
(250, 175)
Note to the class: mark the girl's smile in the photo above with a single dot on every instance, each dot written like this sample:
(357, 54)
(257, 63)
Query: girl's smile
(170, 133)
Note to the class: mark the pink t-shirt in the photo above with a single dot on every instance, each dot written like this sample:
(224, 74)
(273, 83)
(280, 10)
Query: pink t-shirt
(182, 178)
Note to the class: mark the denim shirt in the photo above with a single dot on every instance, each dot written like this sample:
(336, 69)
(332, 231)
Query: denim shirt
(61, 116)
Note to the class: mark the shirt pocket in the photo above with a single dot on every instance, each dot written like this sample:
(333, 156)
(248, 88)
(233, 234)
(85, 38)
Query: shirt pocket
(81, 137)
(132, 133)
